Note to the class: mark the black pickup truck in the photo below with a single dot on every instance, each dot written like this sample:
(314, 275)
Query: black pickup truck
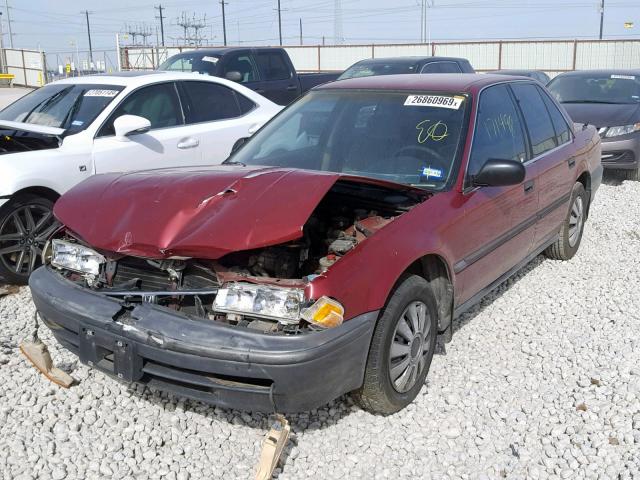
(268, 71)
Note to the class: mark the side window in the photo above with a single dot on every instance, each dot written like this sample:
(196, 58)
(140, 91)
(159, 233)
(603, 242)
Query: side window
(498, 133)
(563, 133)
(273, 66)
(157, 103)
(536, 117)
(441, 67)
(241, 62)
(208, 101)
(246, 105)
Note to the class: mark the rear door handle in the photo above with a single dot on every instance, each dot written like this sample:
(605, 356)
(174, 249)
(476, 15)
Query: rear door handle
(253, 128)
(572, 162)
(291, 88)
(187, 143)
(528, 186)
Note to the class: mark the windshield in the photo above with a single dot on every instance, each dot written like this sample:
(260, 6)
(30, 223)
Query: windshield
(377, 68)
(596, 88)
(71, 107)
(192, 62)
(410, 138)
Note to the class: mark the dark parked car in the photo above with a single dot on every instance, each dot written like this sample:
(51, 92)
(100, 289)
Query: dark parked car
(538, 75)
(266, 70)
(400, 65)
(610, 100)
(331, 249)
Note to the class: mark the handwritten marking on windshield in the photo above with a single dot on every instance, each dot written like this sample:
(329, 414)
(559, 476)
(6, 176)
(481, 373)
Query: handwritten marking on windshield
(436, 131)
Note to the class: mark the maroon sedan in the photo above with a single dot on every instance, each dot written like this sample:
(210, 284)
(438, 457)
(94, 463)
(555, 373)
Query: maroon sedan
(330, 250)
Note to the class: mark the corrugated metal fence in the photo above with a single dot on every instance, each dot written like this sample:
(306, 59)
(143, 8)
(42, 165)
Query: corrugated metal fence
(28, 66)
(552, 56)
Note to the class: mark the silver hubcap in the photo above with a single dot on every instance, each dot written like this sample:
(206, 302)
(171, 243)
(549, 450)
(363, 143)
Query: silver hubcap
(410, 347)
(576, 219)
(22, 236)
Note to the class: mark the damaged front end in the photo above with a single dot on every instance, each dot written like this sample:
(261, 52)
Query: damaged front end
(237, 328)
(264, 289)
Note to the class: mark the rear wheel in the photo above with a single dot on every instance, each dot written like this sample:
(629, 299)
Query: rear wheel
(401, 349)
(26, 223)
(571, 231)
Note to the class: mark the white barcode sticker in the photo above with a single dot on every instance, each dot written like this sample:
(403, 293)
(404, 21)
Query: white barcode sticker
(624, 77)
(101, 93)
(439, 101)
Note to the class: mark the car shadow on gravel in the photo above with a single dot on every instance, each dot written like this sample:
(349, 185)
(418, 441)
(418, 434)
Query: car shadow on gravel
(613, 178)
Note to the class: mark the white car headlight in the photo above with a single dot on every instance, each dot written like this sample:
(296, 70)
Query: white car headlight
(622, 130)
(75, 257)
(281, 304)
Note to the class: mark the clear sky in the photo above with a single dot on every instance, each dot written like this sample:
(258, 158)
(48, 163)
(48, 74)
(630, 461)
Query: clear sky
(56, 26)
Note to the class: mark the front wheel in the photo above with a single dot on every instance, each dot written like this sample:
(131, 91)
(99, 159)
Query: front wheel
(401, 349)
(566, 246)
(26, 223)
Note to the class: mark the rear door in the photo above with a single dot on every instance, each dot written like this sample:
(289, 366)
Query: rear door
(551, 149)
(217, 116)
(169, 143)
(499, 222)
(280, 85)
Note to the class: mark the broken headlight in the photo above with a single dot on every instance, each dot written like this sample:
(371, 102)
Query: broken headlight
(75, 257)
(281, 304)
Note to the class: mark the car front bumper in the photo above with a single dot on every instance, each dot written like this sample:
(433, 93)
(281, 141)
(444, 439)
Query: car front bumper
(227, 366)
(621, 154)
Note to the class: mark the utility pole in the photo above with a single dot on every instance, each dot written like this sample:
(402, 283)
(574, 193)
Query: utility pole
(161, 17)
(224, 23)
(279, 23)
(86, 12)
(422, 21)
(2, 62)
(300, 31)
(6, 4)
(601, 17)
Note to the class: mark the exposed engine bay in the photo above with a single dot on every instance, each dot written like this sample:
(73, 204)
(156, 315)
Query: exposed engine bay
(15, 141)
(347, 215)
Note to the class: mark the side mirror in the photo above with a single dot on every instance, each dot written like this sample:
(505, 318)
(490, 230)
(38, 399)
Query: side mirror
(239, 143)
(126, 125)
(234, 76)
(499, 173)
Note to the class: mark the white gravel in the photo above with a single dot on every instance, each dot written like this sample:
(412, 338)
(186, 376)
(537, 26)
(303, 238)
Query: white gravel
(542, 380)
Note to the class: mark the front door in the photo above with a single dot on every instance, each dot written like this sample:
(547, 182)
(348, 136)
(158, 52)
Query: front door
(496, 232)
(169, 142)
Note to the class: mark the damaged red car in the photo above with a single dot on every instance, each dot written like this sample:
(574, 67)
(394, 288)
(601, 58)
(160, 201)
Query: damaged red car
(329, 252)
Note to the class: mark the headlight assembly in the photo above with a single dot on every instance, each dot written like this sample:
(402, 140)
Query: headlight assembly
(622, 130)
(281, 304)
(75, 257)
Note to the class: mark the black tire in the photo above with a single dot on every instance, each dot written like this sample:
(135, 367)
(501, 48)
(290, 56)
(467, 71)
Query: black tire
(567, 245)
(379, 393)
(633, 175)
(20, 251)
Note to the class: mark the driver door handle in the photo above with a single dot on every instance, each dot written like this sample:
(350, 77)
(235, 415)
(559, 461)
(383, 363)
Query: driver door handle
(528, 186)
(188, 142)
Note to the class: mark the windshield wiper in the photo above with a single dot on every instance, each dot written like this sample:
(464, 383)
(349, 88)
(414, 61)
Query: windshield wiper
(235, 162)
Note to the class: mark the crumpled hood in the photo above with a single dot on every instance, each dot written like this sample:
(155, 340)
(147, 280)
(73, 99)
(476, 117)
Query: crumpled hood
(203, 212)
(603, 114)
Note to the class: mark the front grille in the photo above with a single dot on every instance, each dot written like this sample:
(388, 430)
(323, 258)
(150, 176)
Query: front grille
(622, 156)
(138, 273)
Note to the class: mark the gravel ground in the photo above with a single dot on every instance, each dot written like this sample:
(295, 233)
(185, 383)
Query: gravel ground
(542, 380)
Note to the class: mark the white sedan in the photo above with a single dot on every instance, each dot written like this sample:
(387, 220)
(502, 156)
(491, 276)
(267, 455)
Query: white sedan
(64, 132)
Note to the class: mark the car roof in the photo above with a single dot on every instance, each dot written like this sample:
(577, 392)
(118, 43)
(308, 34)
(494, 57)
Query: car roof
(408, 59)
(221, 50)
(445, 82)
(138, 78)
(516, 71)
(604, 71)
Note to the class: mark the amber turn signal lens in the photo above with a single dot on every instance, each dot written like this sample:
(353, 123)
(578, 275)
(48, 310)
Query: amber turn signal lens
(326, 312)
